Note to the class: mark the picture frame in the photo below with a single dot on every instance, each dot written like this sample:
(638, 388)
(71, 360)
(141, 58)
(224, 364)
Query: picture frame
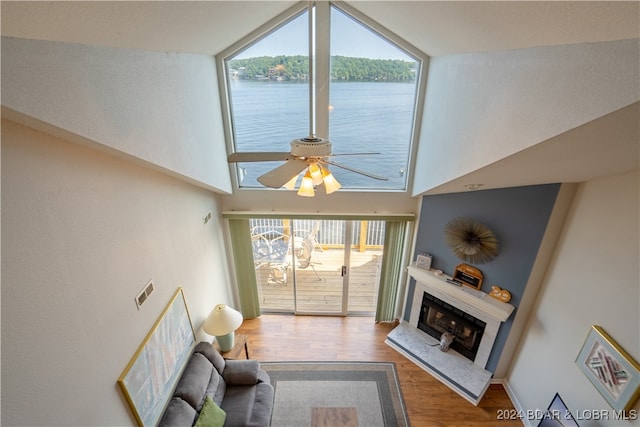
(154, 369)
(557, 415)
(424, 261)
(611, 370)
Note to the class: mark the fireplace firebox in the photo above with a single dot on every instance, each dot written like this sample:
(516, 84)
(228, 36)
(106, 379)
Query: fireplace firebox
(437, 317)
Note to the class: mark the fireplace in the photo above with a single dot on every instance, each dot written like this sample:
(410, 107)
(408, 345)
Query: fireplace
(441, 306)
(438, 317)
(480, 313)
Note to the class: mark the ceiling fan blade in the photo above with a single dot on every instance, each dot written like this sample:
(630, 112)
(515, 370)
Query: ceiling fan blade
(279, 176)
(361, 172)
(260, 156)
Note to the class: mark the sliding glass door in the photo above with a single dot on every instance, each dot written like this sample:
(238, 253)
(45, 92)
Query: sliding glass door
(319, 281)
(312, 266)
(272, 242)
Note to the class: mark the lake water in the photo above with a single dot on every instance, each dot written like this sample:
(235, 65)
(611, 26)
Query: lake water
(365, 117)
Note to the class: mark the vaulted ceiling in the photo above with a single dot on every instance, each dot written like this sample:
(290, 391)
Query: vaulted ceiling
(436, 28)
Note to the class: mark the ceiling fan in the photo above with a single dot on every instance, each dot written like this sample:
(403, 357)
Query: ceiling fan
(311, 153)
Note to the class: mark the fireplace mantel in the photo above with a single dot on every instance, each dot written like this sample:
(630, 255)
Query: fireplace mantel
(476, 299)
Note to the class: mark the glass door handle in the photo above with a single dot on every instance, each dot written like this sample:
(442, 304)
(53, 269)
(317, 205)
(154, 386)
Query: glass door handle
(344, 270)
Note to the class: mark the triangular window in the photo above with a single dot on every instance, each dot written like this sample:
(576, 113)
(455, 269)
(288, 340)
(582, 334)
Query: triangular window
(366, 92)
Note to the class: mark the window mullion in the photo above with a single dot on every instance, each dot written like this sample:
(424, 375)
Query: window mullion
(323, 63)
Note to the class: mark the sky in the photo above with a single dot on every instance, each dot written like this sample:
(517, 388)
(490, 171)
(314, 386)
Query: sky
(348, 38)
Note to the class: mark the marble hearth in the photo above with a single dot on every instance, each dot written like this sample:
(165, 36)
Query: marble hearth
(468, 378)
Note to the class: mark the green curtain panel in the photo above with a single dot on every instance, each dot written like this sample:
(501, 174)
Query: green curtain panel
(245, 270)
(391, 271)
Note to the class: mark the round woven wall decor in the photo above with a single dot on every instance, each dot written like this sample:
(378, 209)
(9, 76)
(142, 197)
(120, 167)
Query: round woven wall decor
(470, 240)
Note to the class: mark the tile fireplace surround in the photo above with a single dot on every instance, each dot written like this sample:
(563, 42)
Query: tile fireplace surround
(467, 378)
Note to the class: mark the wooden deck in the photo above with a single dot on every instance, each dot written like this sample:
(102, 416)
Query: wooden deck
(321, 293)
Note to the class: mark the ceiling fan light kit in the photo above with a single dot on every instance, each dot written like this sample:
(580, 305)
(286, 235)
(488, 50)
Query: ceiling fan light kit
(315, 173)
(291, 184)
(314, 176)
(306, 186)
(331, 184)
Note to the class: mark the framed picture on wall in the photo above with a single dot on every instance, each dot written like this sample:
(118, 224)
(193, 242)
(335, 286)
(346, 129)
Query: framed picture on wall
(152, 373)
(557, 415)
(612, 371)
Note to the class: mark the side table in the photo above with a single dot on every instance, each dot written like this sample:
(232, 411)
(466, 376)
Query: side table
(239, 346)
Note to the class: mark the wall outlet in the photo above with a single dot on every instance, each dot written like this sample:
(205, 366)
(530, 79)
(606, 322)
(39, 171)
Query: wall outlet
(144, 294)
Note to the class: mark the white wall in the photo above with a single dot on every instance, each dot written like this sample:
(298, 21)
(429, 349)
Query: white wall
(161, 108)
(82, 233)
(483, 107)
(592, 280)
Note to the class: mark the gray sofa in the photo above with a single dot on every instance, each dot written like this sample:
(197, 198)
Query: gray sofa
(239, 387)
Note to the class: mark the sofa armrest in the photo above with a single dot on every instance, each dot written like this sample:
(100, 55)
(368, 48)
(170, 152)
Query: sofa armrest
(241, 372)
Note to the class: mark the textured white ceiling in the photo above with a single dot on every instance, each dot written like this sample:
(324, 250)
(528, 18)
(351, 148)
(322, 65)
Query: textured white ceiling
(208, 27)
(446, 27)
(574, 156)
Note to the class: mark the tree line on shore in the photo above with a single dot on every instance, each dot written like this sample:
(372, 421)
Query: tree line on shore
(343, 68)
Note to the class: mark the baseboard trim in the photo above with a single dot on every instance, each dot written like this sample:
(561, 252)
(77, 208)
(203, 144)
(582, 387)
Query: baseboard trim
(513, 398)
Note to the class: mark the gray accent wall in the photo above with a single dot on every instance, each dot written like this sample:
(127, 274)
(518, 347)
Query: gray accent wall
(518, 217)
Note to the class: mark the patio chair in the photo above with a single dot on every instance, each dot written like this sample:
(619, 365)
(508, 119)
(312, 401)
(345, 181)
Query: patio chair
(305, 252)
(271, 249)
(298, 241)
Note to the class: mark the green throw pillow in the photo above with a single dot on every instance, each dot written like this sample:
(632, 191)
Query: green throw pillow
(211, 415)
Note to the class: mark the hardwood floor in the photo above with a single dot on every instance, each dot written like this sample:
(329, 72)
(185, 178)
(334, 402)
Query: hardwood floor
(309, 338)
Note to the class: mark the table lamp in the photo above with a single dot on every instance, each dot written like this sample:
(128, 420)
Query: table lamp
(221, 323)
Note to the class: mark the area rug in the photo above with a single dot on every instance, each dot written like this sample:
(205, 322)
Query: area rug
(336, 394)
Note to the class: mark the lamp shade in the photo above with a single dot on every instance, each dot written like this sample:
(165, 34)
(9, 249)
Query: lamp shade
(291, 184)
(222, 320)
(306, 186)
(316, 173)
(331, 184)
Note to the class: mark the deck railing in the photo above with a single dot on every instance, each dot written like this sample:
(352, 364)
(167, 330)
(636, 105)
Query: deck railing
(330, 233)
